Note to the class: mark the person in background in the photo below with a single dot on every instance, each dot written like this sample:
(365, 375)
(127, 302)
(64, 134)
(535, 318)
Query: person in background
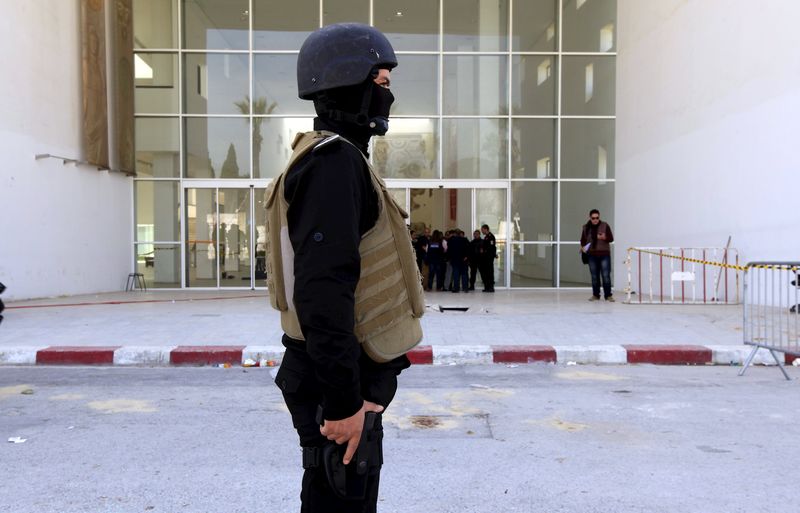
(418, 252)
(436, 263)
(448, 269)
(422, 244)
(596, 239)
(458, 253)
(488, 255)
(475, 251)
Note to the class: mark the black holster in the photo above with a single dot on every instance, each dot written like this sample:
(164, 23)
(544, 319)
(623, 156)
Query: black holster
(350, 481)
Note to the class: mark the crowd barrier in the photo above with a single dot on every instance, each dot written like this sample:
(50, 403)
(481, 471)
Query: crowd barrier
(772, 309)
(669, 275)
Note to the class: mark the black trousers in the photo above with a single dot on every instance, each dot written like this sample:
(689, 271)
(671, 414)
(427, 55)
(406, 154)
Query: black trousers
(473, 273)
(486, 268)
(460, 276)
(302, 395)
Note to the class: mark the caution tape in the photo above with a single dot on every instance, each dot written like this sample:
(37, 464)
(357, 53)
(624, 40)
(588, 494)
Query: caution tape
(776, 267)
(719, 264)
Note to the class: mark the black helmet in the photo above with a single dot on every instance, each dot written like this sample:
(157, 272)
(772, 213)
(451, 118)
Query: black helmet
(339, 55)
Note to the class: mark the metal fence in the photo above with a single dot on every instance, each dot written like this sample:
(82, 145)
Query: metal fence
(772, 309)
(669, 275)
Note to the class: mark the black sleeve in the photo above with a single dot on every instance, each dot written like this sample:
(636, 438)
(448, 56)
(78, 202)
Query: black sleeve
(609, 234)
(491, 245)
(327, 194)
(379, 380)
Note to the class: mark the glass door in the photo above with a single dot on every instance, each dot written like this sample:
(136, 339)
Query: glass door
(223, 247)
(201, 238)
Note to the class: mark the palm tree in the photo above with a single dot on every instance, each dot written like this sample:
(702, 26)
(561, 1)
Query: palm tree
(260, 108)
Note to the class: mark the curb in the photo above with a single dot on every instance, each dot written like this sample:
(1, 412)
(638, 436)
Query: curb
(76, 355)
(156, 356)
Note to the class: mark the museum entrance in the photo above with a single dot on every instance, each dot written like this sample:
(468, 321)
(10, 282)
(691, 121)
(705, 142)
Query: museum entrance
(459, 206)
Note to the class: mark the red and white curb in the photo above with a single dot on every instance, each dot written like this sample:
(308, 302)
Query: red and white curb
(431, 355)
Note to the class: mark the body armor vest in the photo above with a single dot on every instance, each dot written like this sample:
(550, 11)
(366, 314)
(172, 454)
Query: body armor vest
(388, 298)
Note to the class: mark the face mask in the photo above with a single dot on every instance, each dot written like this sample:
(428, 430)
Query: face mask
(378, 112)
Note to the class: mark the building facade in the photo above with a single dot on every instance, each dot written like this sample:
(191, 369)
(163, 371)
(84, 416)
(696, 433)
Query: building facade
(676, 119)
(504, 116)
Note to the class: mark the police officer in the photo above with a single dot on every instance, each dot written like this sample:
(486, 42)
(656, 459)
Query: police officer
(488, 256)
(341, 270)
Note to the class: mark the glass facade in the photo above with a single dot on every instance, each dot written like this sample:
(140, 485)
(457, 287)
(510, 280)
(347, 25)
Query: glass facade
(507, 104)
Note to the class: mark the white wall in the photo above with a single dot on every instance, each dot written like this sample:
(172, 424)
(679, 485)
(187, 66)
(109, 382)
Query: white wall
(708, 110)
(64, 229)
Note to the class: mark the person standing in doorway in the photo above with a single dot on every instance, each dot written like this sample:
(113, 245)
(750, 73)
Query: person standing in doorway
(223, 234)
(475, 251)
(488, 257)
(418, 251)
(458, 253)
(596, 239)
(422, 244)
(435, 259)
(448, 268)
(338, 247)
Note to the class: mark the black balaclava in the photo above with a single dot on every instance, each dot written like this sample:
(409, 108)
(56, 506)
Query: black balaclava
(379, 106)
(355, 112)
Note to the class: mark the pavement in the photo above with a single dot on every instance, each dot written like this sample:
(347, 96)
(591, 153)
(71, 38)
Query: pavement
(457, 439)
(217, 327)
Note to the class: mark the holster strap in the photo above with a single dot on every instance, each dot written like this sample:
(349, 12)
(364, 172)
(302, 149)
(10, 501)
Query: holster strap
(312, 457)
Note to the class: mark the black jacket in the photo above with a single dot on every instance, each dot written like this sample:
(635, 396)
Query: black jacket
(458, 249)
(475, 250)
(489, 247)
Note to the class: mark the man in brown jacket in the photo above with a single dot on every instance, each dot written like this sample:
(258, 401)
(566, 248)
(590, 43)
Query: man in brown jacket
(596, 240)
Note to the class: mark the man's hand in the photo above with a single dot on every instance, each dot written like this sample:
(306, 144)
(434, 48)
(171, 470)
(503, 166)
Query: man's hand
(348, 431)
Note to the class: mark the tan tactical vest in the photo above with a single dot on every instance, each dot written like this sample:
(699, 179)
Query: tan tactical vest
(388, 299)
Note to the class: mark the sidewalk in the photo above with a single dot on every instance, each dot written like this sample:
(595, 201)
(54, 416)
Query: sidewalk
(508, 326)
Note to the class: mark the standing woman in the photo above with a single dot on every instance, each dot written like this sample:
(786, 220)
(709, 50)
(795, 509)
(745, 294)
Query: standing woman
(596, 240)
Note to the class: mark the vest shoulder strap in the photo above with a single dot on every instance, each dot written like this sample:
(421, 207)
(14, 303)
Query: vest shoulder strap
(308, 141)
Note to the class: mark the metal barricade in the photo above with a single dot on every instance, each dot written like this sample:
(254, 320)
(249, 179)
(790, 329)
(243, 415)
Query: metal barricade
(772, 309)
(668, 275)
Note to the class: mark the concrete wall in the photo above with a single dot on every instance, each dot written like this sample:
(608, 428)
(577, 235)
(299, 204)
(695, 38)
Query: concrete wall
(64, 229)
(708, 105)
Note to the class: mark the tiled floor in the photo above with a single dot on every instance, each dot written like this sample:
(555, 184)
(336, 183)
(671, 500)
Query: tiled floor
(245, 318)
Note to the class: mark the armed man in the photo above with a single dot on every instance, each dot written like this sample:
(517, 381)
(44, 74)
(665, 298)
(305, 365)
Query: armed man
(341, 271)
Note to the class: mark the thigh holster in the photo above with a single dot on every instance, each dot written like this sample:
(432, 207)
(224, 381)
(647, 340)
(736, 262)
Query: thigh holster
(350, 481)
